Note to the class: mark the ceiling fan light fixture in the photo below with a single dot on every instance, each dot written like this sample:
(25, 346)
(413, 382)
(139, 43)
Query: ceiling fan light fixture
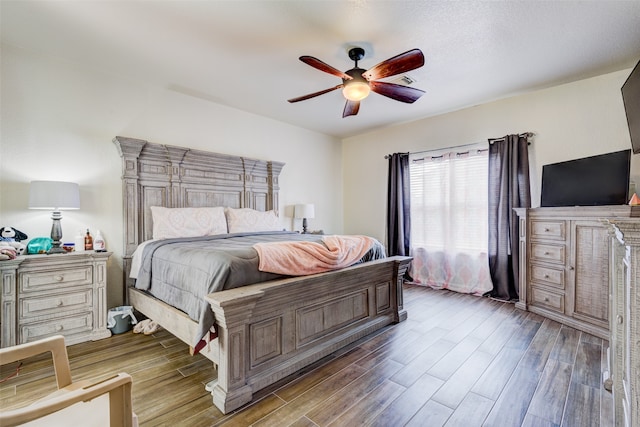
(356, 91)
(357, 83)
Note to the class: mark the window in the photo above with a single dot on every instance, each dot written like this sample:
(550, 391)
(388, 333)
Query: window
(449, 217)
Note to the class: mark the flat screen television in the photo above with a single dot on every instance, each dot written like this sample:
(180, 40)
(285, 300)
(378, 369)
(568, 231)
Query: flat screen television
(591, 181)
(631, 99)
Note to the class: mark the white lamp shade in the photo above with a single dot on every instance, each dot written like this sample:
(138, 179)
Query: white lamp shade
(304, 211)
(54, 195)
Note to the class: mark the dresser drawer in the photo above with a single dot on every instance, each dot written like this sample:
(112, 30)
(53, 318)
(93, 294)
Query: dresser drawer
(549, 230)
(79, 323)
(33, 281)
(547, 299)
(548, 253)
(547, 275)
(55, 303)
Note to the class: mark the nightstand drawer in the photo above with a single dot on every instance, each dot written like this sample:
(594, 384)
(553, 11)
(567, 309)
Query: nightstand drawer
(33, 281)
(552, 230)
(54, 303)
(548, 253)
(547, 299)
(67, 326)
(548, 275)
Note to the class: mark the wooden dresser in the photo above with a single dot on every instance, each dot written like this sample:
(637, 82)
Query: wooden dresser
(564, 264)
(44, 295)
(624, 342)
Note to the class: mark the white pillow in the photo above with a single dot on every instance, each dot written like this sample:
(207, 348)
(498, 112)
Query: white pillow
(171, 223)
(248, 220)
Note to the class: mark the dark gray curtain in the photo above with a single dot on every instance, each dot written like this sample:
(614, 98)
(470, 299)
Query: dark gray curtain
(398, 205)
(508, 188)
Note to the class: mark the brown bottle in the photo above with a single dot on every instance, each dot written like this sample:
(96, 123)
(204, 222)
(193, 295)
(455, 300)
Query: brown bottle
(88, 241)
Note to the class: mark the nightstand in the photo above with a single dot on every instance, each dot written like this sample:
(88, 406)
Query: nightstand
(44, 295)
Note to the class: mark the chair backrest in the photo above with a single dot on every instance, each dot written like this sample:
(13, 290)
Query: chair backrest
(54, 344)
(106, 402)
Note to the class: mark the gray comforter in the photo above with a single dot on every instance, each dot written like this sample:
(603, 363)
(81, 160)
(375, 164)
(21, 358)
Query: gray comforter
(181, 272)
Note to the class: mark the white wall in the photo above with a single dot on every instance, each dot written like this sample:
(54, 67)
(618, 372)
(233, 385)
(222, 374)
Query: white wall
(570, 121)
(59, 119)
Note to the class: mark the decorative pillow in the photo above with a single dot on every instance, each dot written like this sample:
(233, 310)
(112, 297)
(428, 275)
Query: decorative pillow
(248, 220)
(169, 223)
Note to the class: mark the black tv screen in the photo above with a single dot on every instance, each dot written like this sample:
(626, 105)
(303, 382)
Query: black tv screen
(591, 181)
(631, 99)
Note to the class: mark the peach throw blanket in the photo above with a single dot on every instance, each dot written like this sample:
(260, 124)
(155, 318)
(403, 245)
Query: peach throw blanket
(303, 258)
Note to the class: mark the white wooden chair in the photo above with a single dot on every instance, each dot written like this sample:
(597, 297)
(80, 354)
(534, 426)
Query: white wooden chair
(104, 403)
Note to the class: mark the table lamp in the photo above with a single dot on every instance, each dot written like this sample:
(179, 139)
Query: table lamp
(54, 196)
(304, 211)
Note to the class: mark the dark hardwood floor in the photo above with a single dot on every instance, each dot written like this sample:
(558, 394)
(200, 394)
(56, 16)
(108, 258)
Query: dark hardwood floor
(457, 361)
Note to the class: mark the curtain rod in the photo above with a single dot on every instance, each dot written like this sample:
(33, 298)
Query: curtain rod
(491, 141)
(527, 134)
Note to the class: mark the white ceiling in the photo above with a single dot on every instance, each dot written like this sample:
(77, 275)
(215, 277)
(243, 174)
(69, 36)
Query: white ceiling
(244, 54)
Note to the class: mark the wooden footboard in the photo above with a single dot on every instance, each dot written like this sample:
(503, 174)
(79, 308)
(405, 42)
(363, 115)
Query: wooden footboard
(270, 330)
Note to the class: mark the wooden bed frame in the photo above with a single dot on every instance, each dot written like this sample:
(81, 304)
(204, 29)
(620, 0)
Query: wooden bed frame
(269, 330)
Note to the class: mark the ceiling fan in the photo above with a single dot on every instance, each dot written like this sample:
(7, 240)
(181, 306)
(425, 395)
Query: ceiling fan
(357, 82)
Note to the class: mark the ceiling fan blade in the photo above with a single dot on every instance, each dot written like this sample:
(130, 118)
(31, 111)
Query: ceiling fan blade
(317, 64)
(407, 61)
(313, 95)
(398, 92)
(351, 108)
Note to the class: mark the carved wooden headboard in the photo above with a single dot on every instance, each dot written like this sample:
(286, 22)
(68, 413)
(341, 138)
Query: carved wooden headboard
(164, 175)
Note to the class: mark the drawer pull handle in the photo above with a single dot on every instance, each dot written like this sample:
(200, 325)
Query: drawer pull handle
(60, 303)
(546, 230)
(59, 278)
(546, 299)
(546, 276)
(546, 253)
(59, 328)
(619, 319)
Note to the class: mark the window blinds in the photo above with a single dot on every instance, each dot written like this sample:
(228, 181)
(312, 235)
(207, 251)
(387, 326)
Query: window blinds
(449, 202)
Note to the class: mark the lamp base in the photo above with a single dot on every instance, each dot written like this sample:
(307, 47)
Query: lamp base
(56, 250)
(304, 225)
(56, 234)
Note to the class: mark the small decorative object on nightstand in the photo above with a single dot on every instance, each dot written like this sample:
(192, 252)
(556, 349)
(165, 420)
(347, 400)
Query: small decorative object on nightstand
(54, 196)
(304, 211)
